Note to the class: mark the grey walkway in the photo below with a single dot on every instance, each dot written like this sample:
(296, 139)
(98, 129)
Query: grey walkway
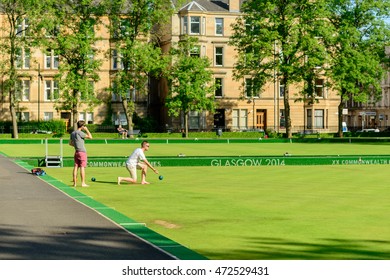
(37, 221)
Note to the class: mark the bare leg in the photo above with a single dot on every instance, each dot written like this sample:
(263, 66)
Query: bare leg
(126, 179)
(143, 174)
(82, 174)
(75, 168)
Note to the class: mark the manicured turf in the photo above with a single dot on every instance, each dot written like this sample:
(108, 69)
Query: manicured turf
(283, 212)
(214, 149)
(327, 212)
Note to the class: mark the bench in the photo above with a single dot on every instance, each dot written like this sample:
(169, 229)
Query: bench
(308, 132)
(136, 132)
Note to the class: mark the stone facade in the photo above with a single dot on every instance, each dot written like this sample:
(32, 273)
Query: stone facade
(234, 112)
(211, 22)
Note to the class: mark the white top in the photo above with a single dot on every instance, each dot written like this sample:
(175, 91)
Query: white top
(137, 156)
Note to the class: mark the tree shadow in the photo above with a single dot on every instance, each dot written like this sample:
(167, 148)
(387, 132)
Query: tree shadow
(74, 243)
(323, 249)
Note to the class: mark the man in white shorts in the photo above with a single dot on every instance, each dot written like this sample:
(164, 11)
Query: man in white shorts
(137, 160)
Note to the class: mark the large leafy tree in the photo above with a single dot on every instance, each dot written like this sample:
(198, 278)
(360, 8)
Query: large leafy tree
(275, 39)
(71, 35)
(20, 29)
(191, 82)
(357, 48)
(133, 25)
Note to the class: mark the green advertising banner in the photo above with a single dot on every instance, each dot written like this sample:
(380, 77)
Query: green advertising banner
(231, 161)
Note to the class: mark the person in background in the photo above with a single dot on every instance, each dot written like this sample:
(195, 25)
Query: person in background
(77, 140)
(137, 160)
(122, 131)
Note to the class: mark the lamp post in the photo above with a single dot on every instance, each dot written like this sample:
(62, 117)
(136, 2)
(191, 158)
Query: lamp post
(39, 91)
(253, 110)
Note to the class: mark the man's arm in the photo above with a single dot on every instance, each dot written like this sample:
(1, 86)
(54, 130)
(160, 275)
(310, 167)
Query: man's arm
(87, 133)
(150, 166)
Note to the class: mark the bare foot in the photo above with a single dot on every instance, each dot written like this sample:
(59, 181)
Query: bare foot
(145, 183)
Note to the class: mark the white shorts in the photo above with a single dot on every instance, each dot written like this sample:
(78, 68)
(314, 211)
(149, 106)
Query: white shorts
(133, 169)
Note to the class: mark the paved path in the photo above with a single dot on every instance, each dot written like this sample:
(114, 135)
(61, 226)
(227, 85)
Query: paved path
(37, 221)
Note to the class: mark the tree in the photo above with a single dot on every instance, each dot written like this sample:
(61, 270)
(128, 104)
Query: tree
(71, 35)
(274, 38)
(357, 48)
(190, 82)
(133, 25)
(22, 23)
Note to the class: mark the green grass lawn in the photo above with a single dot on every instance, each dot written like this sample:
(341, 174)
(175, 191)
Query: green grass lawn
(290, 212)
(203, 149)
(263, 212)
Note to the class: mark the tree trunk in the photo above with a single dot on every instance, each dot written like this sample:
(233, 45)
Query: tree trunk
(74, 115)
(186, 123)
(287, 109)
(129, 116)
(15, 133)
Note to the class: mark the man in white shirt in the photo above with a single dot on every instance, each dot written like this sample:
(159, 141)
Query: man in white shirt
(137, 160)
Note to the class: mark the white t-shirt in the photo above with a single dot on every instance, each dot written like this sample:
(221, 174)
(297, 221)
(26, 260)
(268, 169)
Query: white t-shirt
(137, 156)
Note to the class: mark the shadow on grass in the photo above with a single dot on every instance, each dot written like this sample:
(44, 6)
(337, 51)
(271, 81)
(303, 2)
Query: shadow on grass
(73, 243)
(105, 182)
(324, 249)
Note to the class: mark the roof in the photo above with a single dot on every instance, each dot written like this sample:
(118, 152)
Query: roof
(207, 5)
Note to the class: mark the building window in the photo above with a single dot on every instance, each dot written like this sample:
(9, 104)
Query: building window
(219, 26)
(218, 87)
(309, 118)
(185, 25)
(250, 91)
(23, 116)
(117, 97)
(119, 118)
(239, 119)
(319, 88)
(47, 116)
(22, 27)
(22, 58)
(51, 90)
(51, 60)
(116, 61)
(281, 90)
(218, 56)
(195, 25)
(23, 90)
(195, 51)
(248, 88)
(282, 118)
(319, 118)
(86, 116)
(193, 120)
(192, 25)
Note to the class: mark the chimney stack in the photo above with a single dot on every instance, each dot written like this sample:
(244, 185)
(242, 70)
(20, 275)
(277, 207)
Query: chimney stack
(234, 6)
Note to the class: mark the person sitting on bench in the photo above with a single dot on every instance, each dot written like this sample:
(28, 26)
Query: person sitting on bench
(122, 131)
